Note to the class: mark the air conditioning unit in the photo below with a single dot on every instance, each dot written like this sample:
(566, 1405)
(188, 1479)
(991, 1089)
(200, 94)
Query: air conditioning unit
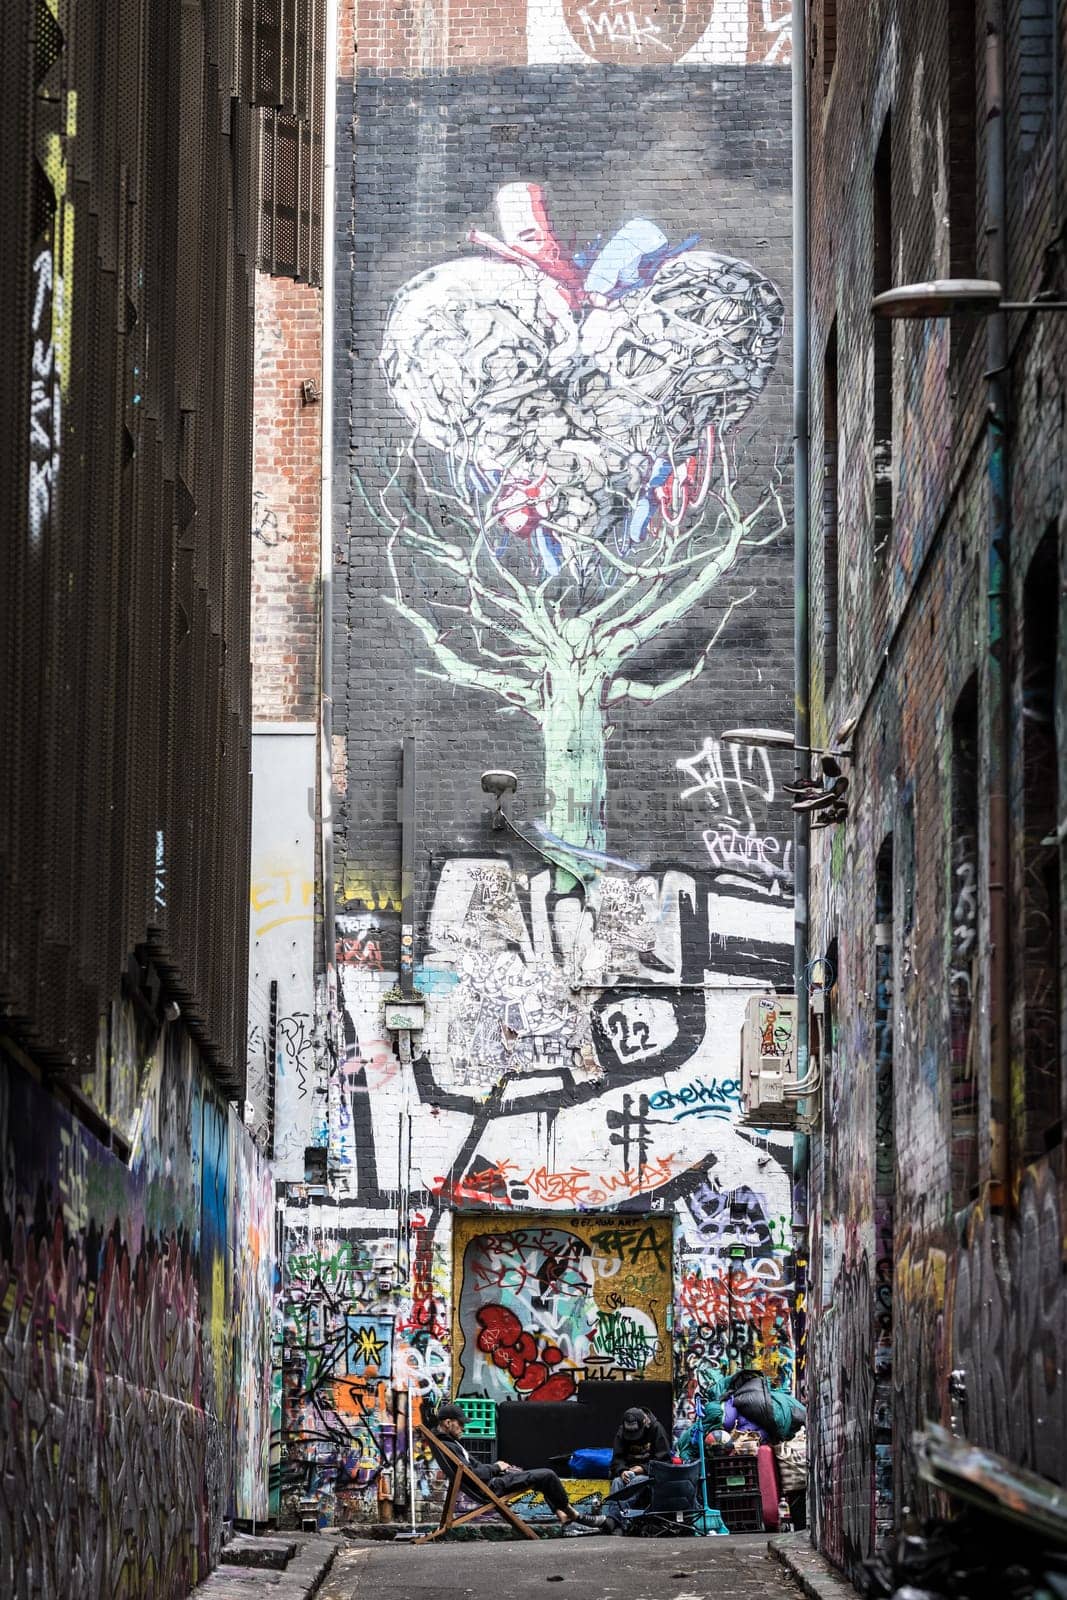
(769, 1062)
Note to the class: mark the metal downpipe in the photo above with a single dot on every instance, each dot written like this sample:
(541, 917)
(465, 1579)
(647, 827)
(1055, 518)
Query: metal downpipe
(998, 640)
(801, 501)
(329, 148)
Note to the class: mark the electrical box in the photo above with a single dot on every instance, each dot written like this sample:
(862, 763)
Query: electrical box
(769, 1061)
(404, 1016)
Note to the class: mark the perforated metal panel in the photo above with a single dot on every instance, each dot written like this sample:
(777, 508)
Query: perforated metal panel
(289, 85)
(130, 196)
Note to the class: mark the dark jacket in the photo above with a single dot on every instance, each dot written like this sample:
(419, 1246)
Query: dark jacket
(486, 1472)
(651, 1444)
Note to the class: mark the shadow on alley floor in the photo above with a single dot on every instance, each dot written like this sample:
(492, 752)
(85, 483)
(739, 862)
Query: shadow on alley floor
(584, 1568)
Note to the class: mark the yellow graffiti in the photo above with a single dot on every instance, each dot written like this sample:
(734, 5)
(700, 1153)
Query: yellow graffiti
(368, 889)
(281, 888)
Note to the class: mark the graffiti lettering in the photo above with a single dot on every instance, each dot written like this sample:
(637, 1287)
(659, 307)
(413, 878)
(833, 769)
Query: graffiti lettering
(45, 393)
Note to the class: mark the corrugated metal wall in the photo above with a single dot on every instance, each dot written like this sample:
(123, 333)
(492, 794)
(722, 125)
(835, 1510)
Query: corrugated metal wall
(130, 226)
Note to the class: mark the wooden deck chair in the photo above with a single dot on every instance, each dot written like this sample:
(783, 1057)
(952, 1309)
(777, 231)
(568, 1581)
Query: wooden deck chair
(463, 1481)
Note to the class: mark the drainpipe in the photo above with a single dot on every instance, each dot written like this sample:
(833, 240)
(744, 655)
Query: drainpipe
(329, 150)
(801, 501)
(801, 639)
(999, 660)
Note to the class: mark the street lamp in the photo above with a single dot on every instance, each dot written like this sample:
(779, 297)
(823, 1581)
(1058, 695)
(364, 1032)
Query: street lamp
(780, 739)
(946, 297)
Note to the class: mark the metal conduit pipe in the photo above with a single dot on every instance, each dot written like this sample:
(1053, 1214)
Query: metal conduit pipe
(801, 500)
(998, 639)
(329, 151)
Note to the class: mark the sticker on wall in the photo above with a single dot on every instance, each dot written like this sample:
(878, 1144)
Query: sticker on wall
(540, 1307)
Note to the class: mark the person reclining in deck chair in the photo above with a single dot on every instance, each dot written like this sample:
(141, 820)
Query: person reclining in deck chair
(450, 1425)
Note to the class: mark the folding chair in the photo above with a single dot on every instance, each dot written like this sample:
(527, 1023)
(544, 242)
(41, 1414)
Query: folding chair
(676, 1501)
(463, 1481)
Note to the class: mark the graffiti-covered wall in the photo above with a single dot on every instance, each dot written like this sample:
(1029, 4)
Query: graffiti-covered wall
(937, 1188)
(134, 1333)
(563, 552)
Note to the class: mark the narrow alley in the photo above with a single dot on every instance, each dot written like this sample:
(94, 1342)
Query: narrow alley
(648, 1569)
(533, 809)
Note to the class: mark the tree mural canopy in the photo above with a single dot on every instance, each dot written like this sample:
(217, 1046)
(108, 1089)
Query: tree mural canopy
(569, 488)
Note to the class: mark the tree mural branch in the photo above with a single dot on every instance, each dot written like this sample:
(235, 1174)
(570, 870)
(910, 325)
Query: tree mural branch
(649, 693)
(582, 411)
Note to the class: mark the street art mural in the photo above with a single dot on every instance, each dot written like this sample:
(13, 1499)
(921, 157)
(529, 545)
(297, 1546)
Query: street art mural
(580, 411)
(539, 1307)
(136, 1382)
(562, 536)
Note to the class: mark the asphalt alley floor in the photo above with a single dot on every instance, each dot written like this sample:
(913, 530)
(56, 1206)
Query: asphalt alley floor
(589, 1567)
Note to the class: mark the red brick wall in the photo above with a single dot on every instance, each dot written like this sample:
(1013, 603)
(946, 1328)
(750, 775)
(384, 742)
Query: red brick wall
(285, 505)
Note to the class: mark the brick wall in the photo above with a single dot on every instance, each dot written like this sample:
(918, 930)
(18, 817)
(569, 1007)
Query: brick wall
(557, 553)
(918, 1268)
(285, 501)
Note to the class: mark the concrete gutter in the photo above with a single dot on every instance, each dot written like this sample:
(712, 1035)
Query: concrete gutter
(813, 1572)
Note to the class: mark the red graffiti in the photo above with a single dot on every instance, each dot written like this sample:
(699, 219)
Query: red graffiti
(515, 1351)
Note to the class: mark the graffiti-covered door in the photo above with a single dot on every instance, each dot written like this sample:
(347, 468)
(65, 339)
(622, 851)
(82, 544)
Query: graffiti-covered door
(544, 1303)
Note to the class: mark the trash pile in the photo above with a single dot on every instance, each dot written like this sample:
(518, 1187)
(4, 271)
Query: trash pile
(971, 1557)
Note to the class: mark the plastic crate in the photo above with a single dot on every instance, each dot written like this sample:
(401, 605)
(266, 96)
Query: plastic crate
(480, 1449)
(742, 1513)
(733, 1475)
(481, 1418)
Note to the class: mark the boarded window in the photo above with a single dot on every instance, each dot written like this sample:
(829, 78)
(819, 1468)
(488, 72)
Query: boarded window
(1035, 45)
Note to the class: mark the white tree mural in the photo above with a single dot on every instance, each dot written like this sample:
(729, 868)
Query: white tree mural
(569, 486)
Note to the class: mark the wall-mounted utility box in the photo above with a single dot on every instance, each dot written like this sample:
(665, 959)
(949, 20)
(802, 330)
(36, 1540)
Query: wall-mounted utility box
(404, 1016)
(768, 1061)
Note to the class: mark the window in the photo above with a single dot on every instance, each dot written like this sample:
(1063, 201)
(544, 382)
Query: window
(963, 960)
(1041, 932)
(829, 41)
(883, 352)
(830, 482)
(1036, 21)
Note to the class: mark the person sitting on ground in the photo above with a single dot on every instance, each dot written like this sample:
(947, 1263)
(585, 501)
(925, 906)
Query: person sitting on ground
(641, 1438)
(450, 1424)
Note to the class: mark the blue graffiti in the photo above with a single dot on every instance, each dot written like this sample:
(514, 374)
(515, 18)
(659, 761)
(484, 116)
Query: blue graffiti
(699, 1099)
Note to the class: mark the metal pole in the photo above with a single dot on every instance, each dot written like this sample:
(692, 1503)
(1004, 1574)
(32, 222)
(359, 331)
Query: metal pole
(329, 151)
(998, 642)
(801, 501)
(411, 1456)
(407, 872)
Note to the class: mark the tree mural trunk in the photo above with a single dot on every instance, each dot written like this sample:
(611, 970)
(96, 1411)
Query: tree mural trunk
(572, 725)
